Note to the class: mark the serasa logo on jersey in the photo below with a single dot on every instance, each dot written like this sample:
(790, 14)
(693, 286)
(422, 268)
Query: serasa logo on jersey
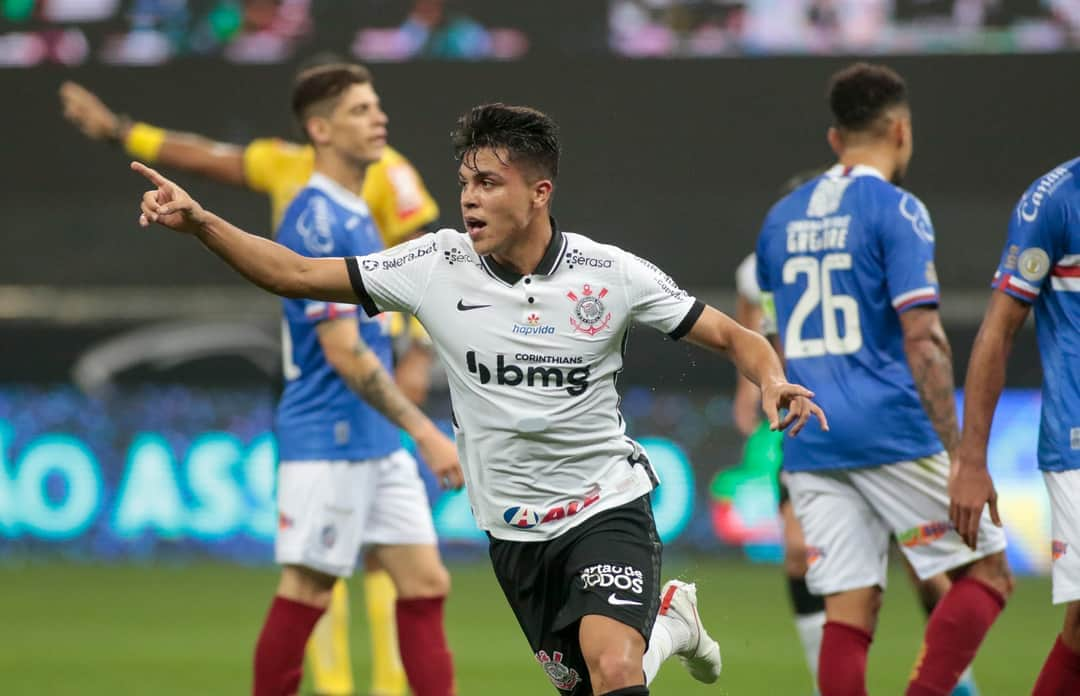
(521, 517)
(576, 258)
(508, 374)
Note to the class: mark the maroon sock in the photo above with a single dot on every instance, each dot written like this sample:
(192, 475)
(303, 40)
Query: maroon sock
(279, 654)
(1060, 675)
(422, 642)
(953, 635)
(842, 660)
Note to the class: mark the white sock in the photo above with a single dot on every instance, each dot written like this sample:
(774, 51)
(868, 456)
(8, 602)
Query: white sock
(669, 636)
(811, 628)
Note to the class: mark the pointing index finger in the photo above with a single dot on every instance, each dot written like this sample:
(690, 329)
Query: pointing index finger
(152, 175)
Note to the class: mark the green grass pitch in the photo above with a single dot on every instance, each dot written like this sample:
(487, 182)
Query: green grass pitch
(92, 630)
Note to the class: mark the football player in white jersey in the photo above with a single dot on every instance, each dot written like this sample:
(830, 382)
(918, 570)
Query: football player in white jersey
(530, 323)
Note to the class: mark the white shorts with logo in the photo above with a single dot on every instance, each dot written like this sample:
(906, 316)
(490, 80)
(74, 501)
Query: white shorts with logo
(329, 510)
(848, 515)
(1064, 490)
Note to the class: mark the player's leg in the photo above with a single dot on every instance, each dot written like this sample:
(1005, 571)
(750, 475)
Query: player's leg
(613, 653)
(329, 657)
(318, 539)
(929, 592)
(380, 598)
(402, 536)
(1060, 674)
(913, 499)
(847, 554)
(809, 608)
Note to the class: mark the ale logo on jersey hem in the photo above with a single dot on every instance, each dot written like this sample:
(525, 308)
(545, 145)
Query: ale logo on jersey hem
(589, 315)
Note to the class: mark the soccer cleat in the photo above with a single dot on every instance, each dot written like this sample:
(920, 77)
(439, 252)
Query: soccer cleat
(702, 654)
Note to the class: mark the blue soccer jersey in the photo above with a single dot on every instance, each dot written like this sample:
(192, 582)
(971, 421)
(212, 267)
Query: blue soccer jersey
(1041, 266)
(319, 417)
(842, 257)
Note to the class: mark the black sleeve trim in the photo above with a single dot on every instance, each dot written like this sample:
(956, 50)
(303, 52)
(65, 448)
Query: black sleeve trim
(688, 321)
(357, 281)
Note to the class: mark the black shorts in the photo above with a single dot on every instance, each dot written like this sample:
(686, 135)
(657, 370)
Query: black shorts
(609, 565)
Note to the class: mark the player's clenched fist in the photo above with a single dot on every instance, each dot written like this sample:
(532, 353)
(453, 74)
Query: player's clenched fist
(168, 204)
(441, 455)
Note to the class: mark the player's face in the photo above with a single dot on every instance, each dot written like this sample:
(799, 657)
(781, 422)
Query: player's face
(498, 201)
(357, 125)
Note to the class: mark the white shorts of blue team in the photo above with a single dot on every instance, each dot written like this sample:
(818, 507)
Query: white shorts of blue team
(328, 511)
(848, 516)
(1064, 490)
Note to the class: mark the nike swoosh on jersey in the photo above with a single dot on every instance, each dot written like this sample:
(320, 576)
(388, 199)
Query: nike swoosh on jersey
(462, 307)
(612, 599)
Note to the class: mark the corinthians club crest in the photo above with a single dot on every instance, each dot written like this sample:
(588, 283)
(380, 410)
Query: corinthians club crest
(590, 316)
(564, 678)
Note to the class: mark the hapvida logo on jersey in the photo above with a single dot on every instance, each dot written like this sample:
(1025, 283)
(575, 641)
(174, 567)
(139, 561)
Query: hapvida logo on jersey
(814, 554)
(564, 678)
(614, 576)
(533, 327)
(575, 381)
(521, 517)
(923, 534)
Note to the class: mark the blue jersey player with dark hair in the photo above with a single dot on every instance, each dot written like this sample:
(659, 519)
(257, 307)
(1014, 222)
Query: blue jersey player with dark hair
(1040, 268)
(847, 263)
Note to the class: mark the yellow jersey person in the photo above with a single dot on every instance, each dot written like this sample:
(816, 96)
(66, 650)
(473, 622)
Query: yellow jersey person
(401, 207)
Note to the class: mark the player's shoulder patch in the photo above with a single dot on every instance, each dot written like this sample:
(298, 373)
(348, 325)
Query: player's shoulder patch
(316, 219)
(916, 213)
(455, 248)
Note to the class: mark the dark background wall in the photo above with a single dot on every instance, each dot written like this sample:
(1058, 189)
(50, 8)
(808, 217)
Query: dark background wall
(676, 160)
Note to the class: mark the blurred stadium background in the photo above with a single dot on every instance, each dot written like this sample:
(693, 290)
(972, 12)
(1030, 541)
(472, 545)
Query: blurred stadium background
(138, 374)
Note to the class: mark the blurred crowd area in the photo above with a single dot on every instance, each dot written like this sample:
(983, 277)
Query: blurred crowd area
(152, 32)
(699, 28)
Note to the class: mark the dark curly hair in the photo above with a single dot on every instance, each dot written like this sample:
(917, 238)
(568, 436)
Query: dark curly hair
(530, 137)
(860, 94)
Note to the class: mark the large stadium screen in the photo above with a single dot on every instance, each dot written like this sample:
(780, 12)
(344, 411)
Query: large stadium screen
(713, 28)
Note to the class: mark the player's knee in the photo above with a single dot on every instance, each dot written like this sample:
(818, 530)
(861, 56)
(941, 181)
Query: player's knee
(614, 668)
(429, 580)
(795, 560)
(306, 585)
(994, 571)
(1070, 632)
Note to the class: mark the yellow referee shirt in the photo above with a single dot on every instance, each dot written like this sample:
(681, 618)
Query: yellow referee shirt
(393, 191)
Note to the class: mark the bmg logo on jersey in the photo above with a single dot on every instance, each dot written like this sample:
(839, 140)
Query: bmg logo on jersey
(614, 576)
(507, 374)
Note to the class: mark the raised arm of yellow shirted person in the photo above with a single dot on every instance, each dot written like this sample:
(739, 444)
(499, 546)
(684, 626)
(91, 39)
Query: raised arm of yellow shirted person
(756, 359)
(267, 264)
(194, 153)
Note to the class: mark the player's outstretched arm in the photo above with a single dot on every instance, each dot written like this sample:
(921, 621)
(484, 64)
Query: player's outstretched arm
(970, 485)
(360, 368)
(746, 405)
(756, 359)
(219, 161)
(265, 263)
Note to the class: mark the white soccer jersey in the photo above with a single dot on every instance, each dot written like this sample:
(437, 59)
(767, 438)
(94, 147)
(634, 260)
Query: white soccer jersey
(532, 362)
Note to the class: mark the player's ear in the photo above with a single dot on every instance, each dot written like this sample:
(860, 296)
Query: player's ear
(317, 129)
(542, 192)
(836, 140)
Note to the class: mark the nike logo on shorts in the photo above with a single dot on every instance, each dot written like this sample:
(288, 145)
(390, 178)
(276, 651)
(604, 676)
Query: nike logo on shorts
(462, 307)
(613, 600)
